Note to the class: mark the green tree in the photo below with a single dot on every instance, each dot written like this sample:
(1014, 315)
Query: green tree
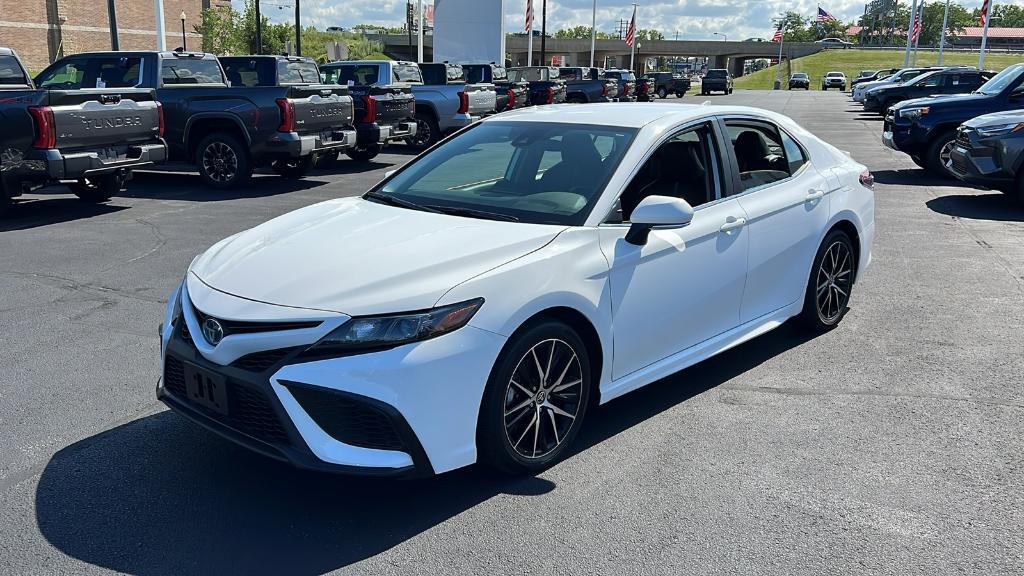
(217, 25)
(649, 34)
(795, 27)
(581, 32)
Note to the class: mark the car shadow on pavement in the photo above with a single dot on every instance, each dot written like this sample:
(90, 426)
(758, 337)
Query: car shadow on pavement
(160, 496)
(345, 166)
(994, 206)
(183, 186)
(914, 177)
(36, 212)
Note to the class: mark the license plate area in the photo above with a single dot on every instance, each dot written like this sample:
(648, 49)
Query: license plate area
(206, 389)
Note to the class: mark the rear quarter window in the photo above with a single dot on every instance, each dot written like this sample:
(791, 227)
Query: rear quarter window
(406, 73)
(303, 72)
(186, 71)
(11, 72)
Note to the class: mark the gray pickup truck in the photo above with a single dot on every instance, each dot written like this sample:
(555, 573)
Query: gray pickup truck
(445, 102)
(89, 139)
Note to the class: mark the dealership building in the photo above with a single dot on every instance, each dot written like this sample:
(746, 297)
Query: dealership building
(43, 30)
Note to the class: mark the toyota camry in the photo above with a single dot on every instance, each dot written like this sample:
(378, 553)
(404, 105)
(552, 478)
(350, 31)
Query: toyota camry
(477, 303)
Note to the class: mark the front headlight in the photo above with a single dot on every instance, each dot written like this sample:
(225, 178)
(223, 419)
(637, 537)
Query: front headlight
(913, 113)
(999, 129)
(363, 333)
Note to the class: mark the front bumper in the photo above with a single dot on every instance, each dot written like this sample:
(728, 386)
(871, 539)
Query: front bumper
(407, 411)
(380, 134)
(982, 169)
(59, 165)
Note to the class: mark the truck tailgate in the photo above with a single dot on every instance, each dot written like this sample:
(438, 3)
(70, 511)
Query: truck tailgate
(394, 103)
(97, 117)
(321, 108)
(482, 99)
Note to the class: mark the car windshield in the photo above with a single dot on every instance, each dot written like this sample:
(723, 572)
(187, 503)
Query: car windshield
(1001, 81)
(715, 74)
(535, 172)
(835, 75)
(800, 76)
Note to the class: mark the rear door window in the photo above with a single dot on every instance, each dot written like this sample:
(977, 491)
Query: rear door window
(301, 72)
(188, 71)
(761, 154)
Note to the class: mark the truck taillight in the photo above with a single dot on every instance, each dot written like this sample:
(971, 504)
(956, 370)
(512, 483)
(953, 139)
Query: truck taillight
(551, 95)
(370, 116)
(46, 128)
(287, 115)
(511, 99)
(867, 180)
(627, 89)
(160, 118)
(604, 89)
(463, 103)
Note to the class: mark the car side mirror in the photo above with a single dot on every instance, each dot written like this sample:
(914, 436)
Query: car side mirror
(660, 212)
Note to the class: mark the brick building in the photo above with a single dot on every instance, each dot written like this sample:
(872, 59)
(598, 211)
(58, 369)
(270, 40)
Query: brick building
(44, 30)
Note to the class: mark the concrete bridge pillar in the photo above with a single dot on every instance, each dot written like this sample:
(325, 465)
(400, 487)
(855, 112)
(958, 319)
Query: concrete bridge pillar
(719, 61)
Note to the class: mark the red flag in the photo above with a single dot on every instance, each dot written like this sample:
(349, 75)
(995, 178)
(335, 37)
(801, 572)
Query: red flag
(529, 16)
(917, 28)
(984, 11)
(631, 31)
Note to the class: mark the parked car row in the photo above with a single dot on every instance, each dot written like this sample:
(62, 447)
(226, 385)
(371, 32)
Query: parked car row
(957, 122)
(89, 119)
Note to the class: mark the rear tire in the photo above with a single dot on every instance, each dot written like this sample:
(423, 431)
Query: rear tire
(680, 94)
(364, 154)
(536, 399)
(98, 189)
(293, 167)
(830, 283)
(937, 155)
(662, 93)
(427, 131)
(223, 161)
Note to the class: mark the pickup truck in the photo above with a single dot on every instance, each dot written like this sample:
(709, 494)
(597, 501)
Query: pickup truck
(665, 83)
(91, 139)
(627, 84)
(225, 131)
(385, 104)
(960, 80)
(445, 102)
(509, 94)
(925, 128)
(545, 85)
(716, 80)
(584, 85)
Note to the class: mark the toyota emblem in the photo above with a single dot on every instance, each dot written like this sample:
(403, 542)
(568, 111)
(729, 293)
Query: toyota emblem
(213, 331)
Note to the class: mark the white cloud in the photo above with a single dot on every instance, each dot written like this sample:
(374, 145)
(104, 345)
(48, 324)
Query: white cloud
(694, 19)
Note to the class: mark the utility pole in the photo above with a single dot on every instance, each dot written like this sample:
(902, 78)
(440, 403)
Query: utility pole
(942, 39)
(161, 42)
(112, 16)
(298, 31)
(543, 32)
(593, 32)
(910, 33)
(259, 28)
(408, 24)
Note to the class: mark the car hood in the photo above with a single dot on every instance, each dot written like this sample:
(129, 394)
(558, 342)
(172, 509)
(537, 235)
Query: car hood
(875, 84)
(357, 257)
(996, 118)
(951, 99)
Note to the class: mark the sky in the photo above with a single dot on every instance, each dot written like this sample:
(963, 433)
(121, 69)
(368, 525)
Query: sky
(691, 19)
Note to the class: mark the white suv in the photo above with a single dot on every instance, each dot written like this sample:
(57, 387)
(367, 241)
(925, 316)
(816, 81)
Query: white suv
(834, 80)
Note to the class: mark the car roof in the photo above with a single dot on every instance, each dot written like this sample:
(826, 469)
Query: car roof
(624, 114)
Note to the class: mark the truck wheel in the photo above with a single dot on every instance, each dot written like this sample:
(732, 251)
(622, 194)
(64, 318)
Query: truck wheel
(730, 91)
(365, 154)
(223, 161)
(293, 167)
(1016, 192)
(427, 132)
(662, 93)
(938, 154)
(680, 94)
(98, 189)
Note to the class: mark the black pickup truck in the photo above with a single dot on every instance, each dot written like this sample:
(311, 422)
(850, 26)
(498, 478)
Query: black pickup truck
(665, 83)
(91, 139)
(385, 105)
(545, 85)
(510, 94)
(584, 85)
(225, 130)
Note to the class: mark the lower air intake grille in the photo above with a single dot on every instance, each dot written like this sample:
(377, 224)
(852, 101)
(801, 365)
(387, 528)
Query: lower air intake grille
(348, 420)
(260, 361)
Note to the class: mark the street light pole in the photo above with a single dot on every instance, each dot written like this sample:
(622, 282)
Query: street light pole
(725, 37)
(593, 32)
(543, 31)
(910, 32)
(184, 41)
(419, 30)
(112, 15)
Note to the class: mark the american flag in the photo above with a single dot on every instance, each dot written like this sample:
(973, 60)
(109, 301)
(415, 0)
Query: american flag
(984, 11)
(824, 16)
(529, 16)
(778, 36)
(631, 31)
(917, 27)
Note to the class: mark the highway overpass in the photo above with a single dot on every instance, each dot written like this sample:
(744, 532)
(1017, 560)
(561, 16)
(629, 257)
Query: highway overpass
(720, 54)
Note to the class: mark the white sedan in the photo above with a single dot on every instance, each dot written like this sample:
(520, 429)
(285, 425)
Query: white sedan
(479, 301)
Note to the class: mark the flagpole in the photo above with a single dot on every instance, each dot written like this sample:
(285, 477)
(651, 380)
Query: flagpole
(632, 47)
(529, 34)
(778, 71)
(942, 39)
(984, 34)
(593, 33)
(910, 32)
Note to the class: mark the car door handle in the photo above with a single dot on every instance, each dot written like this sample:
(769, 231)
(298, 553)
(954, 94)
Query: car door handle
(814, 195)
(733, 224)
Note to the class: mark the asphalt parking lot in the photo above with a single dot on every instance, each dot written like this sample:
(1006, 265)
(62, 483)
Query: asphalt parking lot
(891, 445)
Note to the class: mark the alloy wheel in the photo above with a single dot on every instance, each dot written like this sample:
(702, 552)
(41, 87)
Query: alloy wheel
(423, 134)
(834, 280)
(543, 398)
(945, 155)
(220, 162)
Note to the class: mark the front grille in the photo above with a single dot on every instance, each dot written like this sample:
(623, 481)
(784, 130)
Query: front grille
(245, 327)
(260, 361)
(349, 420)
(249, 410)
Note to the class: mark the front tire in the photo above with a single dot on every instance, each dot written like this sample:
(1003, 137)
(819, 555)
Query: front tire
(223, 161)
(662, 93)
(830, 283)
(98, 189)
(536, 399)
(364, 154)
(937, 155)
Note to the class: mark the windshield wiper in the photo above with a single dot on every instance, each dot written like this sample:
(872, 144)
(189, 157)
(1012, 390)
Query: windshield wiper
(474, 213)
(395, 201)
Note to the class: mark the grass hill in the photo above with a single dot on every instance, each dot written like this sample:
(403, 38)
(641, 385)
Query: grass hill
(851, 62)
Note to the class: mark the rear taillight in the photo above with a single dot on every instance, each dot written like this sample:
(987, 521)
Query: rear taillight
(604, 89)
(46, 129)
(866, 179)
(463, 103)
(160, 118)
(370, 115)
(287, 115)
(627, 89)
(551, 95)
(511, 99)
